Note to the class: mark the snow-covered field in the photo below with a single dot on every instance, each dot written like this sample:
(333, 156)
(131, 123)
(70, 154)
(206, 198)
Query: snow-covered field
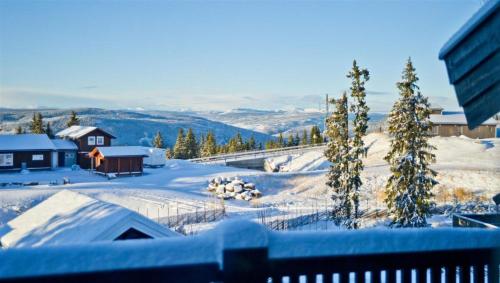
(467, 168)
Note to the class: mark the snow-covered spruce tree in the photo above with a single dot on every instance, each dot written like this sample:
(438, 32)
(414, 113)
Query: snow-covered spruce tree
(409, 187)
(338, 153)
(359, 126)
(158, 140)
(180, 149)
(191, 144)
(73, 120)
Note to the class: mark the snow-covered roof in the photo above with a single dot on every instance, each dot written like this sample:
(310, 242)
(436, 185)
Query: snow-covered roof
(25, 142)
(455, 119)
(64, 144)
(75, 132)
(482, 14)
(120, 151)
(436, 106)
(69, 217)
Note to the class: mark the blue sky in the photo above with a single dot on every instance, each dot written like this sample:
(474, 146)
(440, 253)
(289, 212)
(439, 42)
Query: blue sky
(217, 55)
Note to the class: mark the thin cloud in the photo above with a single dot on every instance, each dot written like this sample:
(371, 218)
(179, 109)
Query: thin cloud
(88, 87)
(375, 92)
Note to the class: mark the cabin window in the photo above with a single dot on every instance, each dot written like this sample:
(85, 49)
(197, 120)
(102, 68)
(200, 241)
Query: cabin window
(100, 140)
(37, 157)
(133, 234)
(91, 140)
(7, 159)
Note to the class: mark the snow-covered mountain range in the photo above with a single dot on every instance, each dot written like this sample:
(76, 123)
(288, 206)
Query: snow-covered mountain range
(137, 127)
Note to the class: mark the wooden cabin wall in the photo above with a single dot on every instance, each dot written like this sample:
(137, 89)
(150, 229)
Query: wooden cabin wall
(27, 156)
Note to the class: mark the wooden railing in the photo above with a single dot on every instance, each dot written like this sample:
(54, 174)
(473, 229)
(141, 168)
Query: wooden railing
(248, 252)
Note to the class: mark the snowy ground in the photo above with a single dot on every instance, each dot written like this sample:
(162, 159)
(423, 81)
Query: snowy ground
(469, 169)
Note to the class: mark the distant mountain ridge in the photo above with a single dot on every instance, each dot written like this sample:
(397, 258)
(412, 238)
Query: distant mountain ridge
(137, 127)
(130, 127)
(273, 122)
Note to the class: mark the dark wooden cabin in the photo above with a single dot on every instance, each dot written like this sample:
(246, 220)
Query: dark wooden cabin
(119, 160)
(86, 139)
(26, 151)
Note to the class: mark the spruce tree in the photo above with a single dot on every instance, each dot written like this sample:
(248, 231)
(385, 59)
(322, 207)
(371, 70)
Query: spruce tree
(251, 143)
(158, 140)
(316, 137)
(36, 126)
(296, 139)
(232, 145)
(240, 145)
(209, 147)
(409, 187)
(304, 140)
(338, 153)
(346, 153)
(191, 144)
(201, 144)
(271, 144)
(290, 140)
(19, 130)
(281, 141)
(360, 124)
(73, 120)
(169, 154)
(48, 131)
(180, 149)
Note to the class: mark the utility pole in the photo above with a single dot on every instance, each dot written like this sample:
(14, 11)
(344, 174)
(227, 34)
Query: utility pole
(327, 111)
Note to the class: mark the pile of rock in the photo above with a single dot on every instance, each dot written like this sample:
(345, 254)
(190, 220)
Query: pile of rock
(236, 188)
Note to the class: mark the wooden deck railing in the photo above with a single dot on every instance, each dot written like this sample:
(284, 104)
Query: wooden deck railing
(248, 252)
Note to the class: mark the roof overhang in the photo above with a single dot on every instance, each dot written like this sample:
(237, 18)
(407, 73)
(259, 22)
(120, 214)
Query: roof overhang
(472, 57)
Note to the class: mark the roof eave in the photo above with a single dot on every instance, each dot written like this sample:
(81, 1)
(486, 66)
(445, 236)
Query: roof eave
(479, 17)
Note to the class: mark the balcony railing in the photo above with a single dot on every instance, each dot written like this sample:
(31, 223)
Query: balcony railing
(248, 252)
(491, 221)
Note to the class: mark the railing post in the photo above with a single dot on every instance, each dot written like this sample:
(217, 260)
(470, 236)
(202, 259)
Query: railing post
(245, 252)
(245, 265)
